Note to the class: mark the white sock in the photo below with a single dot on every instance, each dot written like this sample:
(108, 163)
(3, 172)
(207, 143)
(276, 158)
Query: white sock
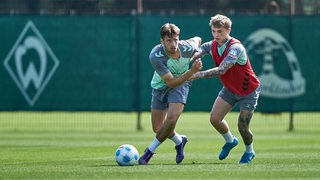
(177, 138)
(154, 145)
(249, 148)
(228, 137)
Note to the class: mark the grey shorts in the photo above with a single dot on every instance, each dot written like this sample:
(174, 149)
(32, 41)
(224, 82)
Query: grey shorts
(248, 102)
(165, 95)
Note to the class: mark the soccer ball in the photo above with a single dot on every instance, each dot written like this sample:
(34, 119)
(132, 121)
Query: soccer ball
(127, 155)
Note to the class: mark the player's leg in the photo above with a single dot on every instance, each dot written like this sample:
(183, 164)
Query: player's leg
(246, 134)
(158, 114)
(244, 126)
(173, 114)
(179, 140)
(174, 100)
(157, 118)
(167, 130)
(219, 110)
(177, 99)
(247, 107)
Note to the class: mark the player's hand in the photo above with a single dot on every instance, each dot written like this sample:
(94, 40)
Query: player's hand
(197, 65)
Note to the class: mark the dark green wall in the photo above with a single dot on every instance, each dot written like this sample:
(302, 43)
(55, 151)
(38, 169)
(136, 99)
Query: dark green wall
(103, 61)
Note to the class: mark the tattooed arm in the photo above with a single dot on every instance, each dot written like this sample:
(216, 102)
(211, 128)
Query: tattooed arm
(216, 71)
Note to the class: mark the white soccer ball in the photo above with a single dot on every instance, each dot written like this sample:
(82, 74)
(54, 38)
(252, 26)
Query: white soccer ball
(127, 155)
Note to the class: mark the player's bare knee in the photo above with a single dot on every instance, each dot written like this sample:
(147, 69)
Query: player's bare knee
(173, 118)
(156, 126)
(214, 120)
(171, 122)
(155, 129)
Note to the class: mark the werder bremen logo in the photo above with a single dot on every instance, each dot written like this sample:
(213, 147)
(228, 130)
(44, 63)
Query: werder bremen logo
(269, 46)
(31, 63)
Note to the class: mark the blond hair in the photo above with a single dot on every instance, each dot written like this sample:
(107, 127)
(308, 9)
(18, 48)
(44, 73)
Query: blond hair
(220, 21)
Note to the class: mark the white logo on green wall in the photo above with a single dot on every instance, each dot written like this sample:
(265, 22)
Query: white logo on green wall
(276, 53)
(31, 63)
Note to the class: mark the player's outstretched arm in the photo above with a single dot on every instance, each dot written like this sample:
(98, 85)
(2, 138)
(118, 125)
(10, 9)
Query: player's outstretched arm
(177, 81)
(216, 71)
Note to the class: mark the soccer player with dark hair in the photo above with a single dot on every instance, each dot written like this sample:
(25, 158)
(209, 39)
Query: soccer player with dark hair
(170, 87)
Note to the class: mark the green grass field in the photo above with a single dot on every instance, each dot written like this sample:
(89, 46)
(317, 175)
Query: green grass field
(60, 145)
